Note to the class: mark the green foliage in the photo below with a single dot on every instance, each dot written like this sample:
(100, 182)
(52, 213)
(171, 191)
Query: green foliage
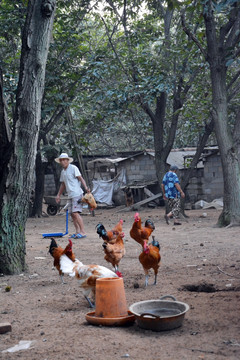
(108, 80)
(106, 62)
(12, 17)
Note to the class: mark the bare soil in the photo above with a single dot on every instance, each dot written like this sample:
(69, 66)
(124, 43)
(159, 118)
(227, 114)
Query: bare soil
(200, 266)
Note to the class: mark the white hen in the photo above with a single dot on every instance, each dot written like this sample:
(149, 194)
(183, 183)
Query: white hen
(86, 274)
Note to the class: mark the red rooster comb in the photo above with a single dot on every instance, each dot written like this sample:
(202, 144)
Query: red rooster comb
(119, 274)
(70, 242)
(136, 217)
(121, 221)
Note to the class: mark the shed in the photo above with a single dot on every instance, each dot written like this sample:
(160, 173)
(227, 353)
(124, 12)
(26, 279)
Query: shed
(139, 170)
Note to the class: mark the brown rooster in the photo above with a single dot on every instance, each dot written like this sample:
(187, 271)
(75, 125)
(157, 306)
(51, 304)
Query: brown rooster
(139, 233)
(57, 251)
(150, 259)
(115, 252)
(110, 235)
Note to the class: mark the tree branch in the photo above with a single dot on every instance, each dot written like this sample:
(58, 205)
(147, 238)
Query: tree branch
(147, 110)
(233, 36)
(234, 92)
(191, 35)
(236, 132)
(226, 28)
(114, 50)
(236, 76)
(53, 120)
(200, 147)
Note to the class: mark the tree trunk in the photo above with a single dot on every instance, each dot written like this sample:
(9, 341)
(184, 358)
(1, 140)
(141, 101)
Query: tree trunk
(158, 133)
(5, 135)
(228, 150)
(18, 174)
(39, 187)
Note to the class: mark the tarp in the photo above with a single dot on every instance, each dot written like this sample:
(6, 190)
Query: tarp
(103, 189)
(216, 203)
(104, 161)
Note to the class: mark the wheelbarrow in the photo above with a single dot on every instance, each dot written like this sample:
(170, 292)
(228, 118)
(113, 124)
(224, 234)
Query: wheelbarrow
(54, 207)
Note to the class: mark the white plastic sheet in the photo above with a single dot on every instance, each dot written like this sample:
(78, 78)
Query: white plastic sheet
(103, 189)
(22, 345)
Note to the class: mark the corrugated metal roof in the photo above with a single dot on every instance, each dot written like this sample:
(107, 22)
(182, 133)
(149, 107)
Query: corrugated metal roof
(176, 157)
(105, 161)
(179, 157)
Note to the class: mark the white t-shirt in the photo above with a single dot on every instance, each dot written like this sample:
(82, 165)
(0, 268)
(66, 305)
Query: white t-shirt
(69, 178)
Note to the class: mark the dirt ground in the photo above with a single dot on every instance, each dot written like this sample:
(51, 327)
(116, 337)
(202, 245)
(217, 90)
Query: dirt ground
(197, 253)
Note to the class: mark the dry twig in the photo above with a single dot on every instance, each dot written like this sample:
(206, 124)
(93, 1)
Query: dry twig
(232, 276)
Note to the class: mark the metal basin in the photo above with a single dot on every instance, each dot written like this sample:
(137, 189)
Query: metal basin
(159, 315)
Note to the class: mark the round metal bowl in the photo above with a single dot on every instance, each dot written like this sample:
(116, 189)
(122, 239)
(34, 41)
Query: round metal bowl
(159, 315)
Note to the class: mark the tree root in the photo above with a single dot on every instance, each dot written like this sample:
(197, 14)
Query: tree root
(232, 224)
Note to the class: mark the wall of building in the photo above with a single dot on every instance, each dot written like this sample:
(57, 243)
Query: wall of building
(195, 188)
(213, 178)
(206, 184)
(49, 185)
(139, 168)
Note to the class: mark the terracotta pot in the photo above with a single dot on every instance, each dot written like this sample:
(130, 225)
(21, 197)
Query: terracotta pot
(110, 298)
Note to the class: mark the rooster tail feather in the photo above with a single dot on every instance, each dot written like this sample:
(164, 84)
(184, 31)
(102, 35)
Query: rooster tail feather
(67, 265)
(101, 231)
(155, 242)
(52, 246)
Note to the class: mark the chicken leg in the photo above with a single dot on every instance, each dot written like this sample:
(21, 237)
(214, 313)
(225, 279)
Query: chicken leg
(89, 301)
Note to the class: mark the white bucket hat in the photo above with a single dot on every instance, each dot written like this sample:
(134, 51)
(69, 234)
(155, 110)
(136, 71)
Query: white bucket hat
(64, 156)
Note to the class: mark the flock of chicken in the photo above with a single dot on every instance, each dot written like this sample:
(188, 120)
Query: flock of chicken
(114, 249)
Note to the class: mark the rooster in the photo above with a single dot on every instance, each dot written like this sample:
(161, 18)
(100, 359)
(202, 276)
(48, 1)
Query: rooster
(89, 199)
(109, 235)
(115, 252)
(56, 252)
(86, 274)
(139, 233)
(150, 258)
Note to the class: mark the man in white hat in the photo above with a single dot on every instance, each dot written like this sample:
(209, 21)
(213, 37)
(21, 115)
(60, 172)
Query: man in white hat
(70, 178)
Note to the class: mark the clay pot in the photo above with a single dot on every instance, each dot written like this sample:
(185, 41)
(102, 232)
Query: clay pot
(110, 298)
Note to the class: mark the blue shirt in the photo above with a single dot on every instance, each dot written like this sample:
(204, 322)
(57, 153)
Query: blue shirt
(169, 181)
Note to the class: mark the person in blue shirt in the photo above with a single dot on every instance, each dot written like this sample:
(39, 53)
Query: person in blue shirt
(171, 193)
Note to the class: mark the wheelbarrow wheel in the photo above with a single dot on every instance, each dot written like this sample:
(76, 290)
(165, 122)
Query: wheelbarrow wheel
(52, 210)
